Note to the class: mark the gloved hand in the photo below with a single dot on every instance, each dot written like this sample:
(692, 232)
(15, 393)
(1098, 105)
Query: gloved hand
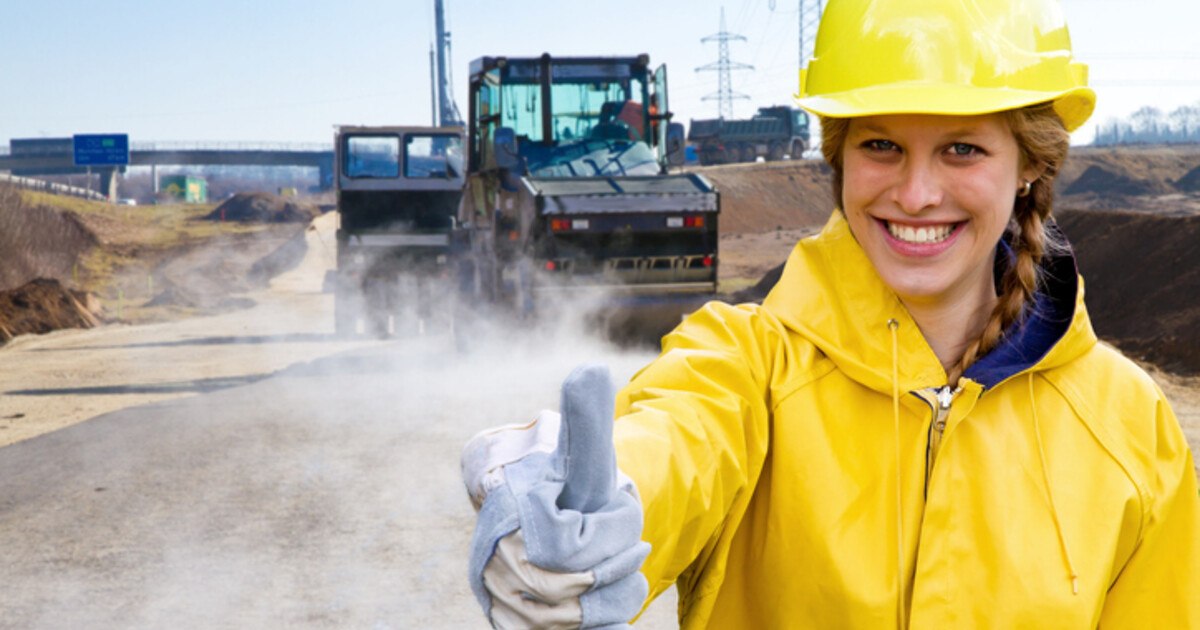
(557, 543)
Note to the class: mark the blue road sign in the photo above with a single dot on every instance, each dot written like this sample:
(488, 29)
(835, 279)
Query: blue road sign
(111, 149)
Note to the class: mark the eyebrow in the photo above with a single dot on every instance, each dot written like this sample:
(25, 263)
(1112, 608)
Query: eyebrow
(958, 132)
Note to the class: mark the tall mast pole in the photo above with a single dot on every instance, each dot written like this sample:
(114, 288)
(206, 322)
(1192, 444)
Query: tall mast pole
(447, 112)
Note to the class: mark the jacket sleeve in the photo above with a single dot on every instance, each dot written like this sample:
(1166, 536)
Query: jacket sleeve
(1159, 587)
(692, 432)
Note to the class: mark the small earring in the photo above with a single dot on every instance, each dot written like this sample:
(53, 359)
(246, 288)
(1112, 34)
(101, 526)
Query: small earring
(1026, 189)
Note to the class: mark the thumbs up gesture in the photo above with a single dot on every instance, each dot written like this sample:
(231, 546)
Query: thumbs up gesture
(557, 543)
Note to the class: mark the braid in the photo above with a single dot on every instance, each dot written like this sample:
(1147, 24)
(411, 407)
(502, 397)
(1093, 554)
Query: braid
(1043, 142)
(1018, 286)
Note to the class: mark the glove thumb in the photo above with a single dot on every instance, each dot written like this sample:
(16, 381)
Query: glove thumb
(585, 441)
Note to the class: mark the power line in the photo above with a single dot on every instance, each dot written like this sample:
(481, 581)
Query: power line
(723, 66)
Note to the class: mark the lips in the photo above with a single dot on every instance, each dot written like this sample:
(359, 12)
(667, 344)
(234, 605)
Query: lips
(920, 241)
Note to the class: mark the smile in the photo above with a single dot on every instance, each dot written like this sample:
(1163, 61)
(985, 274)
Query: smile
(925, 234)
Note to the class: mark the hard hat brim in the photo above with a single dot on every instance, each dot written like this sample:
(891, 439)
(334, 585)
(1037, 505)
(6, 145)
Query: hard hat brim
(1073, 106)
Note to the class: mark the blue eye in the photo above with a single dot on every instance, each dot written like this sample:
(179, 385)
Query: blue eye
(962, 149)
(880, 145)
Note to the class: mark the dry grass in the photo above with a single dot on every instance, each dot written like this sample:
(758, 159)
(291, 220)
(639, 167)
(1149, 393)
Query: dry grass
(134, 241)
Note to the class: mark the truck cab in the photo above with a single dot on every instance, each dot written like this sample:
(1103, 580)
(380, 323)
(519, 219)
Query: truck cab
(569, 185)
(398, 190)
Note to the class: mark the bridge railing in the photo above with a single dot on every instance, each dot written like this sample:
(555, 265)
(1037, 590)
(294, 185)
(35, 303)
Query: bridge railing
(173, 145)
(202, 145)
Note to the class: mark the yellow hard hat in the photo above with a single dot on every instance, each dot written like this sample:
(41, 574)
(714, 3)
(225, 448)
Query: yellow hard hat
(952, 57)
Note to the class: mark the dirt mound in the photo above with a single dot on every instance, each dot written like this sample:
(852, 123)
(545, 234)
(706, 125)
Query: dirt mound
(770, 196)
(1104, 181)
(263, 208)
(38, 242)
(1142, 282)
(42, 306)
(1189, 182)
(1157, 167)
(284, 258)
(177, 296)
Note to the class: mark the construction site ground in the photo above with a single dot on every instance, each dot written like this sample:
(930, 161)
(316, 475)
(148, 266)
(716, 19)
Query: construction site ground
(211, 455)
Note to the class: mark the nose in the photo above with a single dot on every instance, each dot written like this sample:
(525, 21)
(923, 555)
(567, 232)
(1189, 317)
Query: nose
(918, 188)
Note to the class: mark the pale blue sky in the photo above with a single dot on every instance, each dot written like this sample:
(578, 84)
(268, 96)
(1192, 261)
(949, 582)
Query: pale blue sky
(240, 70)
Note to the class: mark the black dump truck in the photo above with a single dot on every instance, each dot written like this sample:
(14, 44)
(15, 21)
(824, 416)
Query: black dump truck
(568, 191)
(773, 134)
(398, 191)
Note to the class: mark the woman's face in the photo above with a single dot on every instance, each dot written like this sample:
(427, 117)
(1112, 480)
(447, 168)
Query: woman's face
(928, 197)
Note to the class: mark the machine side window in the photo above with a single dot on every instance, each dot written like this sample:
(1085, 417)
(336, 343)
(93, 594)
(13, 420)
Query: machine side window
(372, 157)
(522, 110)
(432, 156)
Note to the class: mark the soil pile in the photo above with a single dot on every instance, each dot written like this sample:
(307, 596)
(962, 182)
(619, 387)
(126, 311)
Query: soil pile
(45, 305)
(177, 296)
(770, 196)
(1157, 167)
(38, 242)
(1143, 283)
(1189, 182)
(263, 208)
(1102, 181)
(284, 258)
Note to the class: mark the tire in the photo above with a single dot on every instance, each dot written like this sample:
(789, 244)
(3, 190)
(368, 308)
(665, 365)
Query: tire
(345, 319)
(797, 150)
(775, 152)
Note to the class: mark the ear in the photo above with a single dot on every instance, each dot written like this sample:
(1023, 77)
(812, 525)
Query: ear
(1031, 173)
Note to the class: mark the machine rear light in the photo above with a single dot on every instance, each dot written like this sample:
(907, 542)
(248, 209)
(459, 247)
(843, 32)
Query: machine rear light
(562, 225)
(708, 261)
(694, 222)
(550, 265)
(674, 222)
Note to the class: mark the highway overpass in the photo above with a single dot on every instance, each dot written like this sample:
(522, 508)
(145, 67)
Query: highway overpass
(152, 154)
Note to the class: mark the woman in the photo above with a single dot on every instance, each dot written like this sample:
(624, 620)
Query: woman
(917, 428)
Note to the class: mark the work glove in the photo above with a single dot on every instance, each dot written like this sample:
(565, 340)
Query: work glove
(557, 543)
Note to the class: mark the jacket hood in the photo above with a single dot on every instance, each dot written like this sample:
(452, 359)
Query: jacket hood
(830, 294)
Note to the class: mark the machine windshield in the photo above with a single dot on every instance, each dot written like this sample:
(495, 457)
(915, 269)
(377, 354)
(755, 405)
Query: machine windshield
(598, 116)
(372, 156)
(433, 156)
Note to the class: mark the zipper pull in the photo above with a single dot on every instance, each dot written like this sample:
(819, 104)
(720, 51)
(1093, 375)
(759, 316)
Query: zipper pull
(945, 396)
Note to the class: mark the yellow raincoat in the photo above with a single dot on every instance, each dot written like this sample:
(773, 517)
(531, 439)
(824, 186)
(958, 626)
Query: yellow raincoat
(797, 468)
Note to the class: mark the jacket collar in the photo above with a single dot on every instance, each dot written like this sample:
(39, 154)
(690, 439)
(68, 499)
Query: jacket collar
(830, 294)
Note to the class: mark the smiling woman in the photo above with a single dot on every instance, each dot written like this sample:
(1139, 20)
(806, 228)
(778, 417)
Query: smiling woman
(917, 427)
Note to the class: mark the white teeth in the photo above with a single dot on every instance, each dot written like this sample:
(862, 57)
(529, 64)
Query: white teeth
(927, 234)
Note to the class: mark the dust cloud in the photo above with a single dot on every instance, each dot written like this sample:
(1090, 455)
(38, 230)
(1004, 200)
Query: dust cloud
(320, 490)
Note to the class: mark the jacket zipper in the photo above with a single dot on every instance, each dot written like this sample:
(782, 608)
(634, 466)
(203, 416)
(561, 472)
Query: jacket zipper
(939, 400)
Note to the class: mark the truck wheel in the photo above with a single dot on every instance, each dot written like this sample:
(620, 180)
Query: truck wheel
(797, 150)
(377, 306)
(775, 153)
(748, 153)
(522, 295)
(464, 297)
(345, 315)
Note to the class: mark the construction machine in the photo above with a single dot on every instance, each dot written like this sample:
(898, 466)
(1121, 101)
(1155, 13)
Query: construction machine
(398, 190)
(568, 190)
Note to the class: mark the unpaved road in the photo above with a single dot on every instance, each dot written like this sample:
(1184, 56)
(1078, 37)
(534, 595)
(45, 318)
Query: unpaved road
(226, 490)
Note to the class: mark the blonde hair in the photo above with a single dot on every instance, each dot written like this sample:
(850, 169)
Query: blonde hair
(1043, 141)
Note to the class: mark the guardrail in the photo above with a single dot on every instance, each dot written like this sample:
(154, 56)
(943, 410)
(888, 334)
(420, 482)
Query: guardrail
(45, 186)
